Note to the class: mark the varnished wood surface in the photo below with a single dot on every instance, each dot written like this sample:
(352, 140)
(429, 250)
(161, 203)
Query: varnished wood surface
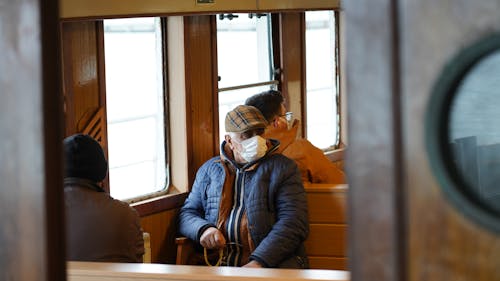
(201, 101)
(84, 85)
(74, 9)
(327, 203)
(297, 4)
(458, 248)
(323, 262)
(292, 34)
(71, 9)
(373, 154)
(80, 49)
(327, 240)
(53, 132)
(85, 271)
(162, 228)
(387, 111)
(326, 245)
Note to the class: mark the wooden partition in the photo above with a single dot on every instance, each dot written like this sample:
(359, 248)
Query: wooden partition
(32, 232)
(87, 271)
(326, 245)
(162, 228)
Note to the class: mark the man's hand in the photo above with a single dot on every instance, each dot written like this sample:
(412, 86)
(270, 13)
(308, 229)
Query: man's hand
(212, 238)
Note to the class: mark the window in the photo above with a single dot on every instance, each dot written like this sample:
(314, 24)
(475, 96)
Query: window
(135, 107)
(322, 79)
(245, 63)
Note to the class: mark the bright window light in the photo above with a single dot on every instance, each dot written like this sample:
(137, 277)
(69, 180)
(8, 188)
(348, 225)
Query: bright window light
(135, 107)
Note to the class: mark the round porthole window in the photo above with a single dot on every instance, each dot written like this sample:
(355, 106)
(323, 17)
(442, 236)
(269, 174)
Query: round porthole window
(463, 131)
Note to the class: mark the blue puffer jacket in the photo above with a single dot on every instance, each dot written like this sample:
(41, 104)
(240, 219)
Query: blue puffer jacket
(275, 202)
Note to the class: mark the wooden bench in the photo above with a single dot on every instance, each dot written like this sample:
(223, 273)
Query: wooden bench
(94, 271)
(326, 244)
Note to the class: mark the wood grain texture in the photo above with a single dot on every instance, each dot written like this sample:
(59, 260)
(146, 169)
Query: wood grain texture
(457, 249)
(98, 9)
(327, 204)
(80, 49)
(87, 271)
(327, 240)
(84, 85)
(322, 262)
(201, 101)
(292, 46)
(297, 4)
(73, 9)
(162, 228)
(326, 245)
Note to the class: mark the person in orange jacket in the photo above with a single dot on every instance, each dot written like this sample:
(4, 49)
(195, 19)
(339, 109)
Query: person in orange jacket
(314, 166)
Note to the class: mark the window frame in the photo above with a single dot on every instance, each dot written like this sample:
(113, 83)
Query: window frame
(135, 201)
(273, 81)
(336, 150)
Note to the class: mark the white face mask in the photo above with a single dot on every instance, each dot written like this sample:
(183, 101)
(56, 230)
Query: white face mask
(253, 148)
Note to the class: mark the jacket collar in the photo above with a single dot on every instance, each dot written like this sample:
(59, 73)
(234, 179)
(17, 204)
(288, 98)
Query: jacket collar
(285, 137)
(71, 181)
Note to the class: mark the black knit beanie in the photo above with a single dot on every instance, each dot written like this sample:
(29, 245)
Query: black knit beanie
(84, 158)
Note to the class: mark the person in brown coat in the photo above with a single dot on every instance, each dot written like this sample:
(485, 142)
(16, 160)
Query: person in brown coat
(314, 166)
(98, 227)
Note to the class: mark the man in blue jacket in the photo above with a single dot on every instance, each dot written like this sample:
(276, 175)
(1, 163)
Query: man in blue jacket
(249, 202)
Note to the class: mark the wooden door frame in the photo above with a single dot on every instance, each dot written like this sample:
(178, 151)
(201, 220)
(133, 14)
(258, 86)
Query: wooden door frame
(374, 155)
(32, 235)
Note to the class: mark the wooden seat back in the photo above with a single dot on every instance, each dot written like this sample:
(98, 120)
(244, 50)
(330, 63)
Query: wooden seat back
(326, 244)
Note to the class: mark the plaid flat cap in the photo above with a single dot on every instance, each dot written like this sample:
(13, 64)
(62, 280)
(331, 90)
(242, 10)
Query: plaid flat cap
(243, 118)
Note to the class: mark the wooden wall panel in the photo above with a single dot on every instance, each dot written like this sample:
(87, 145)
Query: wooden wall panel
(457, 249)
(394, 193)
(201, 89)
(297, 4)
(292, 32)
(52, 132)
(81, 54)
(162, 228)
(74, 9)
(71, 9)
(84, 86)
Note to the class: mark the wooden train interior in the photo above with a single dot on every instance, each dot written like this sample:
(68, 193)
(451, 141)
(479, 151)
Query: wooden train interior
(405, 211)
(84, 70)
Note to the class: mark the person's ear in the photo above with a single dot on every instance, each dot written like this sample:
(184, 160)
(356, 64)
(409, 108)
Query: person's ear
(229, 141)
(276, 122)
